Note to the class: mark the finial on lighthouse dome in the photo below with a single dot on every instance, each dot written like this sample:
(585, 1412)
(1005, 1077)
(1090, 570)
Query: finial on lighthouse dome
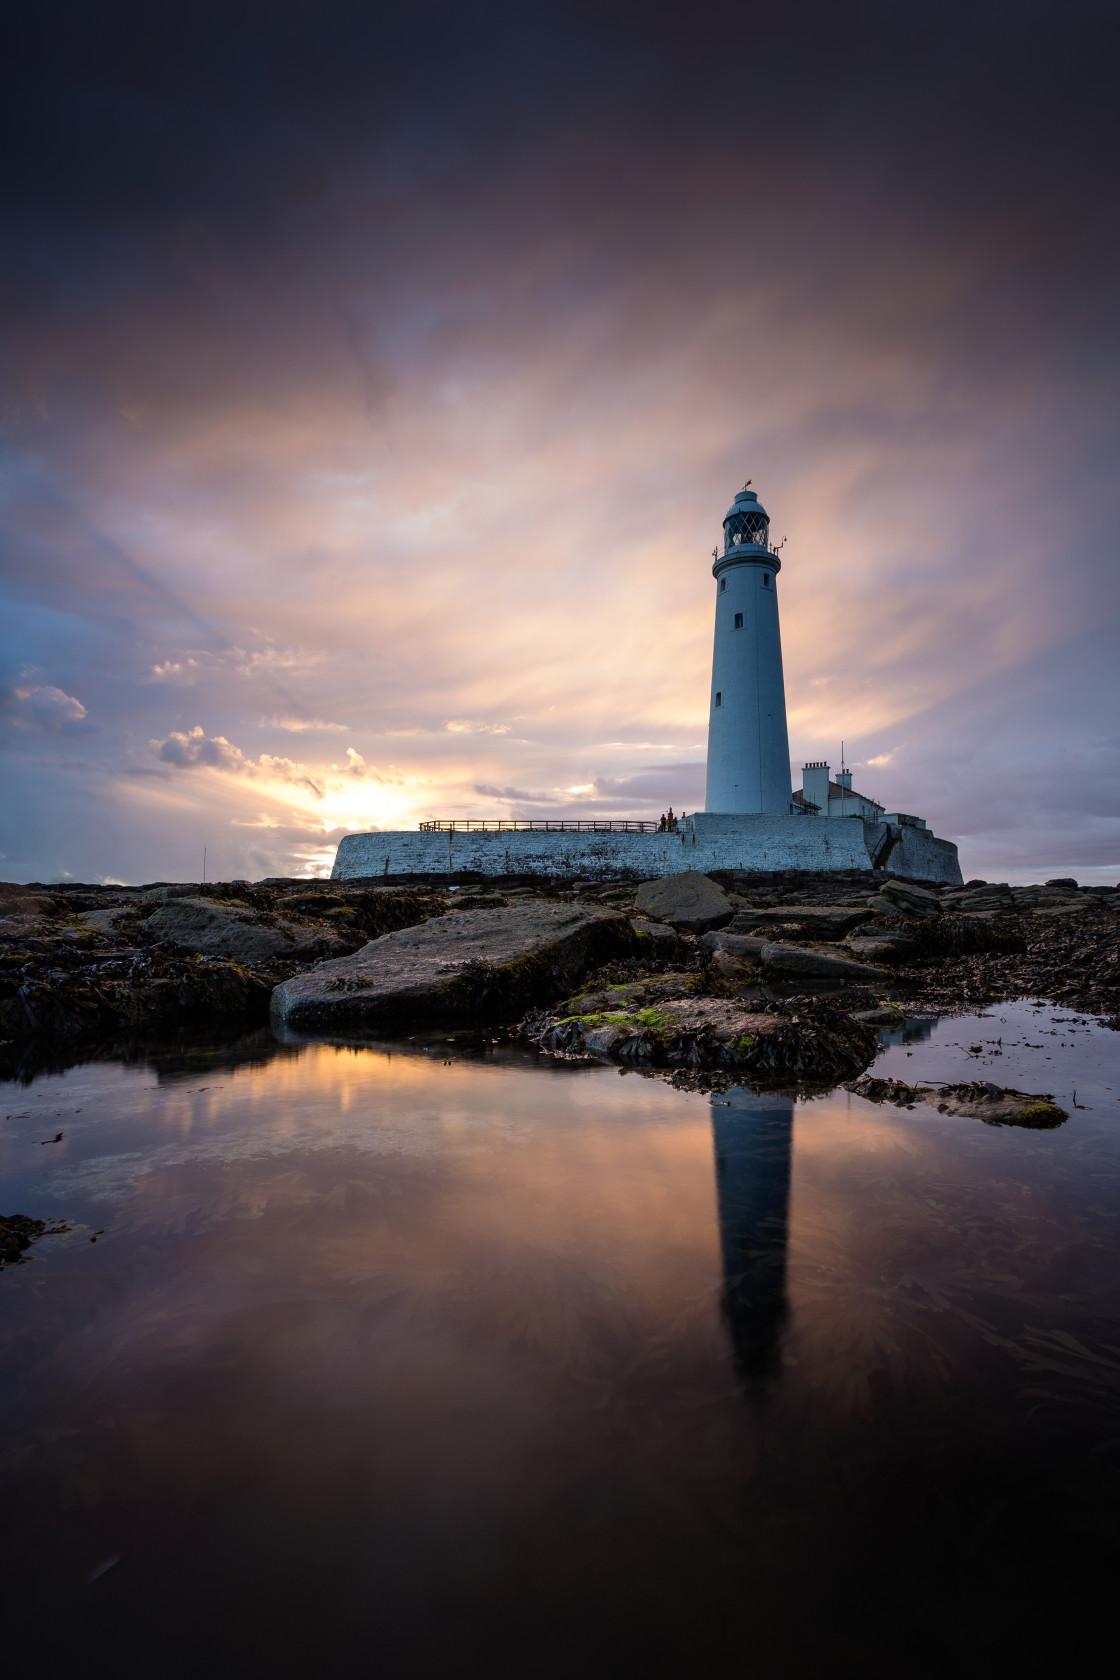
(747, 524)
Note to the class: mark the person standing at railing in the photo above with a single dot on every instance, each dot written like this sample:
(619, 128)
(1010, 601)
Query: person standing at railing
(671, 821)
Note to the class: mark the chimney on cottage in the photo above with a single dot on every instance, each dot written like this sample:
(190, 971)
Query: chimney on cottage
(814, 786)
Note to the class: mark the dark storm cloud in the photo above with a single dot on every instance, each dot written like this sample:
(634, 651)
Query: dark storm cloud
(224, 181)
(254, 115)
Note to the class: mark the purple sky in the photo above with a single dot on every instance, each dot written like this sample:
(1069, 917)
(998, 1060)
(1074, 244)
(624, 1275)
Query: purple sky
(375, 380)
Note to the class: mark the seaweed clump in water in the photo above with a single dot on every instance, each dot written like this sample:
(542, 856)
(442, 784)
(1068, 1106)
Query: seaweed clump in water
(978, 1099)
(18, 1232)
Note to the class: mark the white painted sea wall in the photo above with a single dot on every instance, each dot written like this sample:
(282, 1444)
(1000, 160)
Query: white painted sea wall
(737, 841)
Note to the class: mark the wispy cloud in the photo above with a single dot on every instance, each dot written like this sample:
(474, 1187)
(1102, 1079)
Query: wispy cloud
(297, 726)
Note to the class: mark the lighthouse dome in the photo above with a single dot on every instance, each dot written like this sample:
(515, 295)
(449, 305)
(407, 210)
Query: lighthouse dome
(747, 524)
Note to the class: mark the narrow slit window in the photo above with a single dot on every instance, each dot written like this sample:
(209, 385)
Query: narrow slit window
(738, 621)
(722, 585)
(766, 580)
(719, 697)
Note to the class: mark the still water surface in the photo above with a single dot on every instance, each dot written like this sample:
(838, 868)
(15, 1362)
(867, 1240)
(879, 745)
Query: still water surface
(392, 1357)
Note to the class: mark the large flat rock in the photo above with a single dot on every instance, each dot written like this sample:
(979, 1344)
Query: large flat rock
(470, 965)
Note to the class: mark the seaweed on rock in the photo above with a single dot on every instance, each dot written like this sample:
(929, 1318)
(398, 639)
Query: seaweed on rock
(805, 1039)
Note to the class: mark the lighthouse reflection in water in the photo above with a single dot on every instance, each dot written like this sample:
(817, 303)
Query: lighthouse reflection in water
(753, 1136)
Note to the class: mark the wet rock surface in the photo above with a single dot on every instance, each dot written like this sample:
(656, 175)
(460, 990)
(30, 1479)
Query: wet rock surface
(909, 897)
(216, 929)
(88, 963)
(925, 956)
(747, 947)
(468, 965)
(802, 960)
(663, 939)
(979, 1099)
(1073, 960)
(816, 921)
(703, 1021)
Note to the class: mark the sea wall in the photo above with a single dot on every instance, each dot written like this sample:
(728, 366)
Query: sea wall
(711, 842)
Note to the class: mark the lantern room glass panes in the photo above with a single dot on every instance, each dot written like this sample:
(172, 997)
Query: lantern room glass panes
(746, 528)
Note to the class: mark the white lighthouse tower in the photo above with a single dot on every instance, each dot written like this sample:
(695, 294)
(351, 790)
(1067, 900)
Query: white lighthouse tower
(748, 747)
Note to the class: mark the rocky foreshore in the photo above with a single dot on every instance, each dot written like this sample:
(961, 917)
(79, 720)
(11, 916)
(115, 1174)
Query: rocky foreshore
(765, 975)
(85, 964)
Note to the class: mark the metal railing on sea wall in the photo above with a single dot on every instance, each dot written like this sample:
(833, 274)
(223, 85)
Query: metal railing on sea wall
(560, 825)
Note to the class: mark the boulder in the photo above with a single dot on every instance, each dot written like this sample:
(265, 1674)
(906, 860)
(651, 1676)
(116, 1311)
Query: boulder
(881, 947)
(820, 921)
(797, 960)
(164, 894)
(733, 969)
(663, 937)
(740, 945)
(104, 921)
(691, 903)
(903, 895)
(469, 965)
